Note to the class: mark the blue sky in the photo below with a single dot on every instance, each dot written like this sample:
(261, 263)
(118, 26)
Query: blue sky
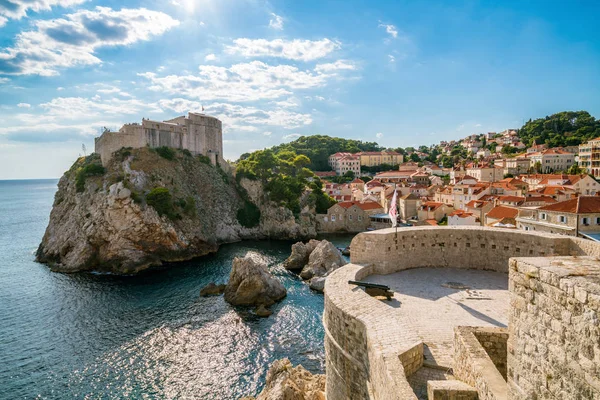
(402, 73)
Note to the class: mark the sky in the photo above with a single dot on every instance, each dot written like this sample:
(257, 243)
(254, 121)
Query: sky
(402, 73)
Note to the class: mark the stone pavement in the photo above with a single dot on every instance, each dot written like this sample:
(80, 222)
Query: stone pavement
(432, 301)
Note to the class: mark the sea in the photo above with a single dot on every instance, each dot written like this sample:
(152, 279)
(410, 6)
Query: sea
(149, 336)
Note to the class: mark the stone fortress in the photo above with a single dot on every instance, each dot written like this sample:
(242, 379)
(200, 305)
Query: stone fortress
(477, 313)
(198, 133)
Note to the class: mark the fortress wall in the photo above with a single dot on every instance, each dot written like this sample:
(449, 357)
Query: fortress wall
(365, 361)
(110, 142)
(554, 328)
(200, 134)
(477, 360)
(554, 315)
(457, 247)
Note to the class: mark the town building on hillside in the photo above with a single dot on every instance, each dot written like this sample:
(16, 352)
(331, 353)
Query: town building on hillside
(552, 160)
(513, 166)
(589, 157)
(558, 193)
(348, 216)
(343, 162)
(583, 184)
(408, 206)
(479, 208)
(463, 218)
(432, 210)
(484, 172)
(198, 133)
(536, 148)
(501, 217)
(573, 217)
(377, 158)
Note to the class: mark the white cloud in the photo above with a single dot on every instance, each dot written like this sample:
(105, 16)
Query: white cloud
(292, 136)
(210, 57)
(18, 8)
(4, 80)
(240, 82)
(241, 118)
(298, 50)
(289, 103)
(276, 22)
(72, 40)
(379, 135)
(392, 58)
(390, 29)
(320, 98)
(78, 107)
(3, 21)
(24, 105)
(267, 133)
(477, 125)
(336, 66)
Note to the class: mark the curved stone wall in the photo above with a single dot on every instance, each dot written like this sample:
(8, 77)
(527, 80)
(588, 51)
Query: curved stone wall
(368, 359)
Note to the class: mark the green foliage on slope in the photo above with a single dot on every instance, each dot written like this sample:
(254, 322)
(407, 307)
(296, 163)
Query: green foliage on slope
(284, 176)
(318, 148)
(86, 167)
(566, 128)
(160, 198)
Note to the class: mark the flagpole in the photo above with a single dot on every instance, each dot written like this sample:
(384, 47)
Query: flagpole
(395, 205)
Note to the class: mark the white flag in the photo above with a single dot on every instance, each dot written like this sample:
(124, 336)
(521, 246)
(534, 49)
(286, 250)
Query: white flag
(393, 212)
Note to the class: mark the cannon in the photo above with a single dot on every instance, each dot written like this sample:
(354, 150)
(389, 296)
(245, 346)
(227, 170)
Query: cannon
(374, 289)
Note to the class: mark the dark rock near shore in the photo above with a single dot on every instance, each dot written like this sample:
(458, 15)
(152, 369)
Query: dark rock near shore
(251, 283)
(212, 289)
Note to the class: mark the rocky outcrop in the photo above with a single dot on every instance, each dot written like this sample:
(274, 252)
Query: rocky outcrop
(102, 220)
(212, 289)
(316, 259)
(251, 283)
(299, 257)
(286, 382)
(323, 260)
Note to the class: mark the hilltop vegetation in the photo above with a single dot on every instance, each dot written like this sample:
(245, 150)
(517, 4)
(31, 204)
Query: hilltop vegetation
(566, 128)
(318, 148)
(285, 177)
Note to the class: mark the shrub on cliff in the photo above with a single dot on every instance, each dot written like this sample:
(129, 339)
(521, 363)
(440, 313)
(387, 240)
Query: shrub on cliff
(90, 168)
(166, 152)
(160, 198)
(249, 215)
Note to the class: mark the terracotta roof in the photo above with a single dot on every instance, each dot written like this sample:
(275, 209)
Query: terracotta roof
(543, 199)
(357, 180)
(579, 205)
(431, 206)
(374, 183)
(476, 203)
(460, 214)
(512, 199)
(552, 190)
(500, 212)
(325, 173)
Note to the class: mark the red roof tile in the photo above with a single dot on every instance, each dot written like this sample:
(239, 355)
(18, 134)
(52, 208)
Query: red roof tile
(500, 212)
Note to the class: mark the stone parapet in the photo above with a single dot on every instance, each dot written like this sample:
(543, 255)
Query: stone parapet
(554, 328)
(475, 366)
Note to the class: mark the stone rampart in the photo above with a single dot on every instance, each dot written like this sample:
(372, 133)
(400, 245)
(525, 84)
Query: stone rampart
(369, 355)
(198, 133)
(477, 366)
(554, 328)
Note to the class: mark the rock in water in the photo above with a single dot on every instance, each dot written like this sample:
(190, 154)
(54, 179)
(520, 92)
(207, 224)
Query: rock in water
(286, 382)
(263, 311)
(300, 253)
(317, 283)
(212, 289)
(251, 283)
(324, 259)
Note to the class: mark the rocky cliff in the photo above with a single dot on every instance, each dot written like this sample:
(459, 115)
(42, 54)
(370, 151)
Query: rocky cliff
(147, 208)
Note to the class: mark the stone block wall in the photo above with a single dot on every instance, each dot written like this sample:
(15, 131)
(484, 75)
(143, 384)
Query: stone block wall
(493, 341)
(391, 251)
(554, 328)
(474, 366)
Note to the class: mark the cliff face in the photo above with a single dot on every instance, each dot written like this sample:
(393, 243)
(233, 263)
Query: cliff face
(109, 220)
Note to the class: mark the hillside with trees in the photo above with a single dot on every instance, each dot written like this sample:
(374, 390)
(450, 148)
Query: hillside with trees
(318, 148)
(566, 128)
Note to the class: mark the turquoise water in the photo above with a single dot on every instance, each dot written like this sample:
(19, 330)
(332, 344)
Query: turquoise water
(148, 336)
